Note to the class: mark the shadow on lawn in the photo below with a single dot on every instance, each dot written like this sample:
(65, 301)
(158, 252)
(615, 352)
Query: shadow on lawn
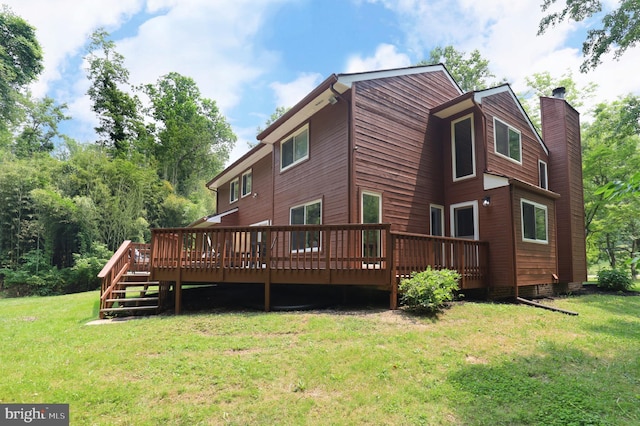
(557, 386)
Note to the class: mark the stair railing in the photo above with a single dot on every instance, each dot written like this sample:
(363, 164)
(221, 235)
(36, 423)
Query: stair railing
(113, 272)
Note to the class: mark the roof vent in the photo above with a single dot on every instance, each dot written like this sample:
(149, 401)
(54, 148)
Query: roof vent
(559, 92)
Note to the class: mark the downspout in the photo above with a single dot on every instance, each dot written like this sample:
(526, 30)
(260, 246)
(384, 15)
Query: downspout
(513, 240)
(350, 153)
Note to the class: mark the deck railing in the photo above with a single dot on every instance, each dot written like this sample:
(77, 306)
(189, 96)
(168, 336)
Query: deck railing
(416, 252)
(351, 254)
(269, 248)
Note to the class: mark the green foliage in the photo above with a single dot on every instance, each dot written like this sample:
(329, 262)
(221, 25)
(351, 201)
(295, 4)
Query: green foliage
(35, 276)
(120, 123)
(83, 276)
(193, 139)
(611, 160)
(39, 126)
(614, 280)
(429, 290)
(471, 73)
(542, 84)
(20, 61)
(620, 29)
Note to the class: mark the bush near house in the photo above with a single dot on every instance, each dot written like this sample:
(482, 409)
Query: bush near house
(429, 290)
(614, 280)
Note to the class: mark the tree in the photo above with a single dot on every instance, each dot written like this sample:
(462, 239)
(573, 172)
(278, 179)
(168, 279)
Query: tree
(39, 126)
(620, 28)
(120, 122)
(611, 154)
(20, 61)
(470, 73)
(193, 139)
(542, 84)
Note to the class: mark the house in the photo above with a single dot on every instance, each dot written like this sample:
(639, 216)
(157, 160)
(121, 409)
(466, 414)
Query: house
(406, 147)
(374, 175)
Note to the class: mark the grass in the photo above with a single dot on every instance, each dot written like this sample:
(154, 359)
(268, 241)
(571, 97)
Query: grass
(477, 364)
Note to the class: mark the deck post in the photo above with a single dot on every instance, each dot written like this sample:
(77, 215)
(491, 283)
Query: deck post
(178, 285)
(178, 289)
(267, 281)
(393, 276)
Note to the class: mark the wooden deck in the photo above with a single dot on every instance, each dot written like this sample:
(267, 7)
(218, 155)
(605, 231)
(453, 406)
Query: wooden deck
(366, 255)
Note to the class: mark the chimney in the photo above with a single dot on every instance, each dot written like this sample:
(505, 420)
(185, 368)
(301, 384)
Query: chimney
(561, 135)
(559, 92)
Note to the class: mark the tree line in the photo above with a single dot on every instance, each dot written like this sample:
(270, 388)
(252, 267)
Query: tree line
(66, 206)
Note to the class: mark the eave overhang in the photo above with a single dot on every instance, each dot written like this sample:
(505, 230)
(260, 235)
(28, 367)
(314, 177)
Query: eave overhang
(240, 165)
(211, 220)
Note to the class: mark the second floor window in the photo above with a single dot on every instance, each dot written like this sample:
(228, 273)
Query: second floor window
(463, 150)
(247, 183)
(508, 141)
(543, 177)
(233, 190)
(294, 149)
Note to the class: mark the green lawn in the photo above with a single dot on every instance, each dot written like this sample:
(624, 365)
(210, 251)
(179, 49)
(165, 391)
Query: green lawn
(477, 364)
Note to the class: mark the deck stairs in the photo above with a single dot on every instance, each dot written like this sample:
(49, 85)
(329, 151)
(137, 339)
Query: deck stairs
(134, 295)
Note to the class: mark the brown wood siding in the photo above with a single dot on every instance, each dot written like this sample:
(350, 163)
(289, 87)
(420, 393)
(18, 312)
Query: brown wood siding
(561, 130)
(323, 176)
(496, 227)
(395, 154)
(250, 210)
(535, 262)
(503, 107)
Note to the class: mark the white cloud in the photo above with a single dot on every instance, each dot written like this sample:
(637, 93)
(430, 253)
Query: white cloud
(505, 33)
(78, 19)
(386, 56)
(289, 94)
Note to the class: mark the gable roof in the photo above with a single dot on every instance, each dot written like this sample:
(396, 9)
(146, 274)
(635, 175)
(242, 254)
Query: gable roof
(326, 93)
(470, 99)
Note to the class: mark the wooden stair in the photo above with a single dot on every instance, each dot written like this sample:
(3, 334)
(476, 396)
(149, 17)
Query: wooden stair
(135, 295)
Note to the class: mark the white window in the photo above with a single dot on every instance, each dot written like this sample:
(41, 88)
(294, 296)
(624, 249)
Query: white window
(543, 176)
(306, 214)
(534, 222)
(508, 141)
(463, 148)
(437, 220)
(233, 190)
(294, 149)
(247, 183)
(464, 220)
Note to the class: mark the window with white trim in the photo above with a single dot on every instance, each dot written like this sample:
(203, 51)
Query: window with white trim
(247, 183)
(464, 220)
(508, 141)
(534, 222)
(463, 148)
(294, 149)
(234, 187)
(306, 214)
(543, 179)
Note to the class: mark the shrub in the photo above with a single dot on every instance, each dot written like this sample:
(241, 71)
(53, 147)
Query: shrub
(429, 290)
(614, 280)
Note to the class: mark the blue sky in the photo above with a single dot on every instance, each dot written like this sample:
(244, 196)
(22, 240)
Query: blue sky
(251, 56)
